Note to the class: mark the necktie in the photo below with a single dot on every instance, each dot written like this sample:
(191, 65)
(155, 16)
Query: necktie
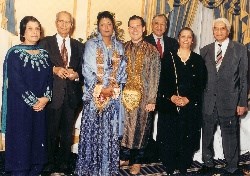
(64, 54)
(159, 47)
(218, 57)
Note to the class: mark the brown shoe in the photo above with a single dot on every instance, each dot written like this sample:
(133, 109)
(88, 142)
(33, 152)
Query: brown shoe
(135, 169)
(124, 163)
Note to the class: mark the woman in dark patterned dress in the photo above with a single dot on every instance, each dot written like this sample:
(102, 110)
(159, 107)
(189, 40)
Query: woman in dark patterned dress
(26, 91)
(104, 77)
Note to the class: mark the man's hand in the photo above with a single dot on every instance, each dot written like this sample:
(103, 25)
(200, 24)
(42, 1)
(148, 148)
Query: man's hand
(241, 110)
(61, 72)
(150, 107)
(73, 75)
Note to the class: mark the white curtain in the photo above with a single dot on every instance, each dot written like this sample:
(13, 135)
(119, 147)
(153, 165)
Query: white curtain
(202, 27)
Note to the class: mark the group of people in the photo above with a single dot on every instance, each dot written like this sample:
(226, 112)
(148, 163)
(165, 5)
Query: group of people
(124, 85)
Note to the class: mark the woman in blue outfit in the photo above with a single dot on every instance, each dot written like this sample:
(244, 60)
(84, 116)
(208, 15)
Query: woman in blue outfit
(104, 74)
(26, 91)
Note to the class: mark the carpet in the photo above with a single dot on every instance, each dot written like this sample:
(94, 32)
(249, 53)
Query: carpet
(157, 169)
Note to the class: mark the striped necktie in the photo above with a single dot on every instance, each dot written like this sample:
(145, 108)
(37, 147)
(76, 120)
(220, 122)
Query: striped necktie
(64, 54)
(218, 57)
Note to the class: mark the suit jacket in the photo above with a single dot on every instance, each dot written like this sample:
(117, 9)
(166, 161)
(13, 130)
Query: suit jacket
(226, 88)
(170, 44)
(63, 86)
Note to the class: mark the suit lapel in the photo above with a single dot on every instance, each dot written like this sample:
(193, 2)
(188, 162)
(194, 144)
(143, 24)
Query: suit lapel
(152, 40)
(56, 50)
(73, 53)
(228, 55)
(212, 54)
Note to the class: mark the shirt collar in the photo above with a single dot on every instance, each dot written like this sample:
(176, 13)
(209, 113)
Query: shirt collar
(156, 37)
(224, 43)
(59, 38)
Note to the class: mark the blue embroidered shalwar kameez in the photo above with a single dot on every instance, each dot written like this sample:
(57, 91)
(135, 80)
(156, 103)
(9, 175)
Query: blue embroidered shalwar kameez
(98, 150)
(26, 78)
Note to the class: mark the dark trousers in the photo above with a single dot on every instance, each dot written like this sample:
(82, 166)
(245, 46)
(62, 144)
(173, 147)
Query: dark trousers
(60, 124)
(230, 139)
(151, 150)
(135, 156)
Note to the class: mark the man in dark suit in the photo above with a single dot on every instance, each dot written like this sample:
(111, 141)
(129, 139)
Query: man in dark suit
(225, 96)
(159, 28)
(66, 57)
(164, 44)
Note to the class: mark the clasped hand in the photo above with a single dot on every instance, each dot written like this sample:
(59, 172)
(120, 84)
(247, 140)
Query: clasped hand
(40, 104)
(65, 73)
(179, 100)
(107, 92)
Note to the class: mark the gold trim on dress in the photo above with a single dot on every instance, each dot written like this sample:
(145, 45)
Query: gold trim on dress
(133, 91)
(101, 101)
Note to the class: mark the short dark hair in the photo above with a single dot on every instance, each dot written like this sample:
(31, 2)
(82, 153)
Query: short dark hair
(135, 17)
(23, 24)
(186, 29)
(105, 14)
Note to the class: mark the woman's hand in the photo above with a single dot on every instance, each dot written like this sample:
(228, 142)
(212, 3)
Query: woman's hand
(183, 101)
(107, 92)
(179, 100)
(176, 100)
(40, 104)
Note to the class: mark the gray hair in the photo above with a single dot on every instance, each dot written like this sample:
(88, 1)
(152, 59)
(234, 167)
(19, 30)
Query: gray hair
(223, 20)
(161, 15)
(65, 12)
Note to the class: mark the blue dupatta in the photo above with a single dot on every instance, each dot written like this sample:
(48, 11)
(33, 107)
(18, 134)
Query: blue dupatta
(5, 82)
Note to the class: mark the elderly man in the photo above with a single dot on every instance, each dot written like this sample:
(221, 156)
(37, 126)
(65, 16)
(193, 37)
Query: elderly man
(159, 37)
(66, 57)
(225, 96)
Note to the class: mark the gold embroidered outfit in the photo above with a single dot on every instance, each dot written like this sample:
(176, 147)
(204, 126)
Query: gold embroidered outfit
(143, 69)
(100, 101)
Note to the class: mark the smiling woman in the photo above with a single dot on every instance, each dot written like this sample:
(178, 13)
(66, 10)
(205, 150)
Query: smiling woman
(180, 91)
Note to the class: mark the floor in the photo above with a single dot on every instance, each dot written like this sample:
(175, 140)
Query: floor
(157, 169)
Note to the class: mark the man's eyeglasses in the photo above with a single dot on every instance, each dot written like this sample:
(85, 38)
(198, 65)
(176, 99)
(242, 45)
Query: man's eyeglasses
(65, 22)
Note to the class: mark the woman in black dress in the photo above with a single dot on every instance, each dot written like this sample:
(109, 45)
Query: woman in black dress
(181, 86)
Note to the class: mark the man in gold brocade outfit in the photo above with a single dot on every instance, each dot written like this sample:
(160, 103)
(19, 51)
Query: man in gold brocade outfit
(139, 94)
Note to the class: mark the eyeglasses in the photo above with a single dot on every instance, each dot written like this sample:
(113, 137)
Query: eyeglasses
(64, 22)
